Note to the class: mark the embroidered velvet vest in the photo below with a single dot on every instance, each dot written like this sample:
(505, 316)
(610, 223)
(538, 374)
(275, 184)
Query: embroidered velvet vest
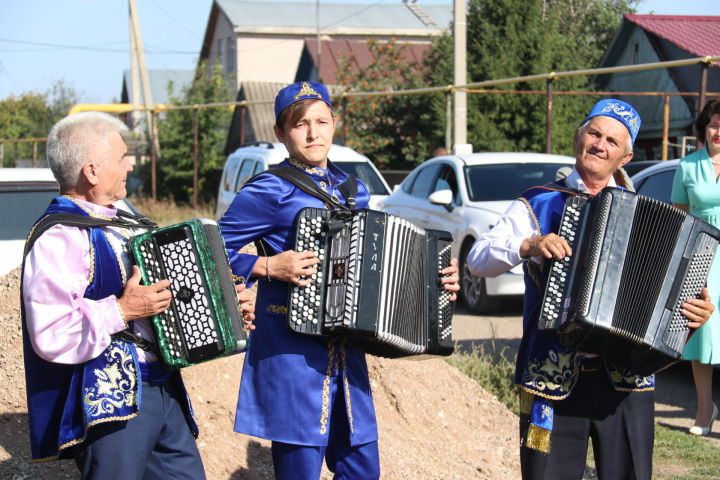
(65, 400)
(544, 367)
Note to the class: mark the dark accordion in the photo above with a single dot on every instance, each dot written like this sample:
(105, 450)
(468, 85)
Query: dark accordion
(203, 321)
(635, 261)
(378, 281)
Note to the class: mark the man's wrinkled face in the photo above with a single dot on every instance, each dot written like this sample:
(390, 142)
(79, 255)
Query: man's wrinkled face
(600, 149)
(113, 167)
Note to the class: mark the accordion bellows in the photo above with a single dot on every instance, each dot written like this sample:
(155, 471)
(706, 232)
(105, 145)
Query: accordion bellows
(378, 282)
(203, 321)
(635, 261)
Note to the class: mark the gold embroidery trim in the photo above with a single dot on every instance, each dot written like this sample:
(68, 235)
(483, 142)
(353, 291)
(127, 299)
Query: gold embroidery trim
(532, 215)
(346, 386)
(122, 314)
(118, 258)
(325, 409)
(82, 439)
(307, 91)
(91, 252)
(306, 168)
(277, 309)
(85, 209)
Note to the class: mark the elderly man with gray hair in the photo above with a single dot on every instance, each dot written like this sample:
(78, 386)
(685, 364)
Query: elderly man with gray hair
(567, 396)
(92, 394)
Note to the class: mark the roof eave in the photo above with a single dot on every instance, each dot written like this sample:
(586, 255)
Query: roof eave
(354, 31)
(209, 32)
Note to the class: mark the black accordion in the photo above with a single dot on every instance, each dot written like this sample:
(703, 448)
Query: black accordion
(203, 321)
(378, 281)
(635, 261)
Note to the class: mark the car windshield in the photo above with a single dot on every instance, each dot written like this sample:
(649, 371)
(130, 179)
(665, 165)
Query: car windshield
(367, 174)
(506, 181)
(31, 201)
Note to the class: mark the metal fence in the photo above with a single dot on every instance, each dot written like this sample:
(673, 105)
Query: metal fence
(483, 87)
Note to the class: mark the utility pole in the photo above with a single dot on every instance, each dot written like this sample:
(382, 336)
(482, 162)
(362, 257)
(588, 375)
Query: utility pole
(318, 40)
(134, 80)
(460, 145)
(139, 54)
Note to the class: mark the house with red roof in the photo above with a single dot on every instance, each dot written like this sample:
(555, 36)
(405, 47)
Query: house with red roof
(660, 38)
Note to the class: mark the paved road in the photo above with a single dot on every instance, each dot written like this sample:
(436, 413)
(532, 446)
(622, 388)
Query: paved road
(497, 331)
(675, 401)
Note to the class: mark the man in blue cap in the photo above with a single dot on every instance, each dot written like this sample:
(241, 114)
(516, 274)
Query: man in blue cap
(310, 396)
(567, 396)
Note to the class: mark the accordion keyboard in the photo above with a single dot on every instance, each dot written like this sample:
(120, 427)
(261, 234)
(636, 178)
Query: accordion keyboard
(559, 276)
(306, 303)
(190, 296)
(445, 306)
(697, 273)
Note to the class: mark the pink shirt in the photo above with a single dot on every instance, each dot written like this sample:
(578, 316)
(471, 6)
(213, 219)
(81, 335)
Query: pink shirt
(64, 326)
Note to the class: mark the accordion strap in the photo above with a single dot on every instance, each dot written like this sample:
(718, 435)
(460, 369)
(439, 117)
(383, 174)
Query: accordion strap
(304, 183)
(132, 337)
(83, 221)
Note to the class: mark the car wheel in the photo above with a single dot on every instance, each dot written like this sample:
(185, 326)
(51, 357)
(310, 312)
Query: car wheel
(473, 290)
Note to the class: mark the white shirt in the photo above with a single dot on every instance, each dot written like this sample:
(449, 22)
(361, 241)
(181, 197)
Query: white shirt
(498, 250)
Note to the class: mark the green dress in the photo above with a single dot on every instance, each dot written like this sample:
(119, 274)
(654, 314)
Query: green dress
(695, 185)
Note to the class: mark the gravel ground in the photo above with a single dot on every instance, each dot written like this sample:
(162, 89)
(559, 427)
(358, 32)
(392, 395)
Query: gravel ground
(434, 422)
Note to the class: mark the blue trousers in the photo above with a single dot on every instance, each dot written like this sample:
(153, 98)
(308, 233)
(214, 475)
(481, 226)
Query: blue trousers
(156, 444)
(302, 462)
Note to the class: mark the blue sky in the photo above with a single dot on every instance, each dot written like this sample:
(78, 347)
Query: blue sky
(85, 42)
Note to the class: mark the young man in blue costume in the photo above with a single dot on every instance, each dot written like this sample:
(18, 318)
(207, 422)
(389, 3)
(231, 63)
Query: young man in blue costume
(568, 396)
(92, 396)
(310, 396)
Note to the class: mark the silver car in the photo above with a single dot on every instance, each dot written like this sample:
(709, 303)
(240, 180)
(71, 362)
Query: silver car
(466, 195)
(656, 181)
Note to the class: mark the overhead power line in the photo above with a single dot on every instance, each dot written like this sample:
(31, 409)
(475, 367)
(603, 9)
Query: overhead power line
(90, 48)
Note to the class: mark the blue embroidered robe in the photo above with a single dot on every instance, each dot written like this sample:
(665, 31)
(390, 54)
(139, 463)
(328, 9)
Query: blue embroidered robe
(290, 381)
(544, 367)
(65, 400)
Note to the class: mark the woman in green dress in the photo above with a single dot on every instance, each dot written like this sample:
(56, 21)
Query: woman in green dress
(696, 190)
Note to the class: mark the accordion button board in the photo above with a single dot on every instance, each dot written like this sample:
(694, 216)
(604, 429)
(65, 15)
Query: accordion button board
(635, 261)
(377, 281)
(555, 300)
(203, 321)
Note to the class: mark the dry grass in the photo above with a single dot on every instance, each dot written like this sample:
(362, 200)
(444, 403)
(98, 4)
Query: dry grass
(167, 212)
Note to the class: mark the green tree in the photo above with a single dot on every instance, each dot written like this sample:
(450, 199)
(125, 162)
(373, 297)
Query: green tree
(175, 131)
(31, 115)
(61, 97)
(23, 117)
(506, 39)
(394, 131)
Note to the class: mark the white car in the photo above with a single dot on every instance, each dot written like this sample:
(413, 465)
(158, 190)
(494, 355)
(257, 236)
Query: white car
(24, 195)
(466, 195)
(245, 162)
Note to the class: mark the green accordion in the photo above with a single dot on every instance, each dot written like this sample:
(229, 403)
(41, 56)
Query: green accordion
(203, 321)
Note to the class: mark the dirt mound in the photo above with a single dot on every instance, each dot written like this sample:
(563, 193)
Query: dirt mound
(434, 422)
